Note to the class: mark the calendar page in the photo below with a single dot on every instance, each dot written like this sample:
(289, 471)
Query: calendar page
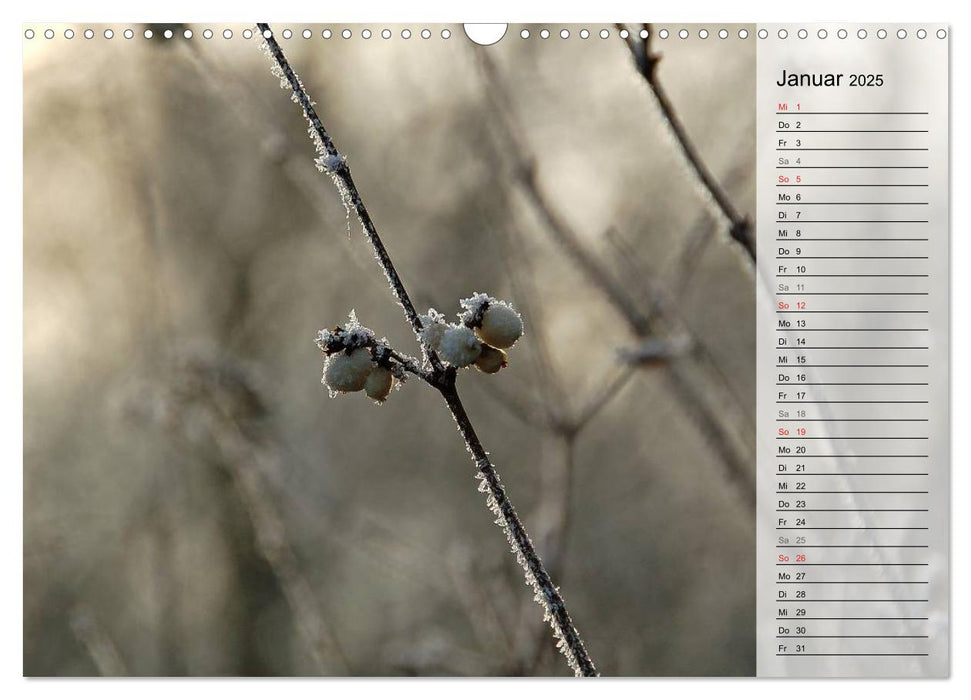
(540, 349)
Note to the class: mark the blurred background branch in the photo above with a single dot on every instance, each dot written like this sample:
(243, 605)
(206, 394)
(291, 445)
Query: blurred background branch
(647, 61)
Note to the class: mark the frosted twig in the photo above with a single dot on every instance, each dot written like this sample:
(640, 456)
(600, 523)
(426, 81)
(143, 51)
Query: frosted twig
(556, 613)
(558, 417)
(646, 61)
(443, 379)
(333, 162)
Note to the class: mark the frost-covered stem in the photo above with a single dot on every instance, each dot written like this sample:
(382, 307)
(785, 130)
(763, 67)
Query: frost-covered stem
(646, 61)
(444, 380)
(570, 643)
(342, 175)
(410, 364)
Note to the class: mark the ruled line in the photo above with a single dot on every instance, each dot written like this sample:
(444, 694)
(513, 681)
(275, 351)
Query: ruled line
(848, 654)
(851, 149)
(866, 204)
(851, 384)
(851, 221)
(851, 583)
(852, 167)
(851, 131)
(850, 294)
(800, 113)
(848, 510)
(850, 636)
(852, 257)
(819, 240)
(853, 564)
(875, 402)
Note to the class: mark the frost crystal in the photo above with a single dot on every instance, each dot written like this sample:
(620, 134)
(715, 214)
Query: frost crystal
(357, 360)
(328, 163)
(433, 328)
(347, 337)
(541, 596)
(474, 306)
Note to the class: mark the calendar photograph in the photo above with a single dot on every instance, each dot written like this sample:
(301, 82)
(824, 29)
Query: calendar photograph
(526, 350)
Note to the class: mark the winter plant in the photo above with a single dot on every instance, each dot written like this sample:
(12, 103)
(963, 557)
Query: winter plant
(358, 361)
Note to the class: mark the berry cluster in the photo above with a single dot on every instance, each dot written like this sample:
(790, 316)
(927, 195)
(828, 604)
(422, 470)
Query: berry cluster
(357, 360)
(487, 328)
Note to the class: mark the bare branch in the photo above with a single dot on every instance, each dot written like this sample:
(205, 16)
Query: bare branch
(336, 165)
(646, 61)
(569, 642)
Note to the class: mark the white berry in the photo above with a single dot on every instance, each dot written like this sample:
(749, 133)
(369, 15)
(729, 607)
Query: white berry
(491, 360)
(459, 346)
(379, 383)
(344, 372)
(501, 325)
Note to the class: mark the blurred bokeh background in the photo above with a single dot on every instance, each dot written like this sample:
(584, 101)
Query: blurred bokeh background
(194, 503)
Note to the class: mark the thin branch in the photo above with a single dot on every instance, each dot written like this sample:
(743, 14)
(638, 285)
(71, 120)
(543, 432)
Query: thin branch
(341, 173)
(536, 575)
(556, 613)
(665, 307)
(563, 422)
(600, 399)
(646, 61)
(529, 410)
